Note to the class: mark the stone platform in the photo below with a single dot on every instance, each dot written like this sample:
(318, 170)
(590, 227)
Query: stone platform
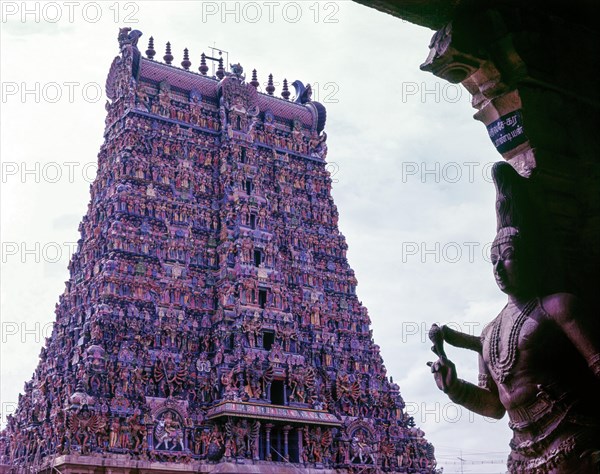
(121, 464)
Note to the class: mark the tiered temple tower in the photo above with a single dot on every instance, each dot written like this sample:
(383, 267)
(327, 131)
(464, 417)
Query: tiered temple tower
(210, 321)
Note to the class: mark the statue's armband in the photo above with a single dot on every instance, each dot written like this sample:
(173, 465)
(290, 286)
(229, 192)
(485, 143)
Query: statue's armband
(484, 381)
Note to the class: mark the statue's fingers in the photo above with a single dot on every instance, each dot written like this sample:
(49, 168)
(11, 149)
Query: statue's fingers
(429, 364)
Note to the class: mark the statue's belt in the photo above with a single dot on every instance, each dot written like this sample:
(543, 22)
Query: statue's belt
(522, 417)
(550, 406)
(535, 424)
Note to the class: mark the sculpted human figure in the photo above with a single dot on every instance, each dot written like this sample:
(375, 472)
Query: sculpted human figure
(539, 358)
(115, 430)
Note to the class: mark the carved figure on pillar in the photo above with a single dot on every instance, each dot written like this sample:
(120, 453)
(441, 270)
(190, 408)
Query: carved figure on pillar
(539, 358)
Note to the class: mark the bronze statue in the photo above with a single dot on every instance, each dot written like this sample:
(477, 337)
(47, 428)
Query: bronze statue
(539, 358)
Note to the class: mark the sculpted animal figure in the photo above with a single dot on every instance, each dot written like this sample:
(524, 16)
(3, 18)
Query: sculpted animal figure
(169, 433)
(361, 451)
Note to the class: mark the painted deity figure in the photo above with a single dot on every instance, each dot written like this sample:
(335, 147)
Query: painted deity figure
(539, 358)
(115, 430)
(169, 433)
(252, 327)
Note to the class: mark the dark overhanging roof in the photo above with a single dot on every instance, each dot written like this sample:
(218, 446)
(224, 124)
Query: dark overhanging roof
(435, 14)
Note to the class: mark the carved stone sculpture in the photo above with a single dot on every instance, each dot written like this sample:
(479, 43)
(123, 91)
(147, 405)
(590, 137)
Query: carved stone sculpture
(539, 358)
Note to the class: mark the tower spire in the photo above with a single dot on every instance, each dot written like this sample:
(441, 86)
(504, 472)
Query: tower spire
(254, 82)
(168, 57)
(221, 69)
(150, 52)
(180, 341)
(285, 92)
(270, 87)
(203, 67)
(186, 63)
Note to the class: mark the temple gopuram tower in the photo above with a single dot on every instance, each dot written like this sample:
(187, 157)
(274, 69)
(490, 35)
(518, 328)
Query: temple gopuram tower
(210, 322)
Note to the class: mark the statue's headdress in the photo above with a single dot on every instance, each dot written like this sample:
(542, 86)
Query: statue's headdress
(514, 216)
(518, 220)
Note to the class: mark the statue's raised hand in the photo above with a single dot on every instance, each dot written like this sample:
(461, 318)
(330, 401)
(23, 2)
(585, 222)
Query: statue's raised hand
(444, 373)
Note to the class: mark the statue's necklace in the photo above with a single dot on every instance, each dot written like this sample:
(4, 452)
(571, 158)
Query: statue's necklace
(503, 366)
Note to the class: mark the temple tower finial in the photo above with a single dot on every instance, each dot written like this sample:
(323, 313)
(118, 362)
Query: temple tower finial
(270, 87)
(150, 52)
(285, 92)
(254, 82)
(168, 57)
(203, 67)
(186, 63)
(221, 69)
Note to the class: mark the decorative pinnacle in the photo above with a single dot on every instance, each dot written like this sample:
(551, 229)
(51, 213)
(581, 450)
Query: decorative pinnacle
(168, 57)
(286, 92)
(186, 63)
(254, 82)
(270, 87)
(221, 69)
(203, 67)
(150, 52)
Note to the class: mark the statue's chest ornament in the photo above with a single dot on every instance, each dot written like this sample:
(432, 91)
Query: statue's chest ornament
(506, 337)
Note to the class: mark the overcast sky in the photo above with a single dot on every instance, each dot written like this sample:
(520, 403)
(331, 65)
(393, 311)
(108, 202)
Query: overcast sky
(410, 168)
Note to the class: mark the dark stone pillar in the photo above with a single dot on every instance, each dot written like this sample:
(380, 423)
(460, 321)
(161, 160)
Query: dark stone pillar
(300, 446)
(286, 451)
(268, 428)
(255, 449)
